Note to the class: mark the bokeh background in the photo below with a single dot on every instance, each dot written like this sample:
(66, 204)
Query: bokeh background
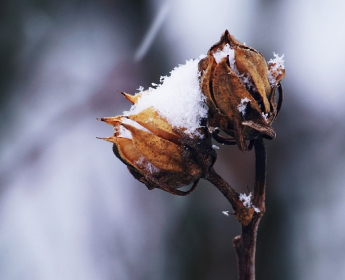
(70, 210)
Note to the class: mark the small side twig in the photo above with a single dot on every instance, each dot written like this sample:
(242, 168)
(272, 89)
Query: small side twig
(223, 186)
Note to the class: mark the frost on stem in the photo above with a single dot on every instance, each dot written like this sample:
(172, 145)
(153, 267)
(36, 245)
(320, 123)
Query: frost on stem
(247, 201)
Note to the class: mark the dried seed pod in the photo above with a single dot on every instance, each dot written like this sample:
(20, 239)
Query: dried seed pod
(157, 154)
(240, 89)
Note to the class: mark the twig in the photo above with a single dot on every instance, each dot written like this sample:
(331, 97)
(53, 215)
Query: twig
(230, 194)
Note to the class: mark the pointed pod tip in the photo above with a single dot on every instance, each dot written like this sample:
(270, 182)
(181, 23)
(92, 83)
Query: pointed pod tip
(108, 139)
(131, 98)
(113, 121)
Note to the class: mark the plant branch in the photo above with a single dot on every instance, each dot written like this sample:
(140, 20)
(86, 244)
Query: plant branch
(230, 194)
(245, 244)
(260, 174)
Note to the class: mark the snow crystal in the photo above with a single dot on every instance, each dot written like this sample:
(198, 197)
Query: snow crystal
(247, 201)
(228, 51)
(243, 106)
(246, 81)
(276, 69)
(178, 99)
(161, 79)
(141, 88)
(257, 210)
(278, 61)
(265, 116)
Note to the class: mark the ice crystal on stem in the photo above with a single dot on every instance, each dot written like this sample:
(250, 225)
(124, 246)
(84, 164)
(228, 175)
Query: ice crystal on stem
(247, 201)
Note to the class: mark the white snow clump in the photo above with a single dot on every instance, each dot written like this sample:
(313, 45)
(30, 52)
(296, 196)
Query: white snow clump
(178, 98)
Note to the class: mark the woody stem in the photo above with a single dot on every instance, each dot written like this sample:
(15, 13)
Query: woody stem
(230, 194)
(245, 244)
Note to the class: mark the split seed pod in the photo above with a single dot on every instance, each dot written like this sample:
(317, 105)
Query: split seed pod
(157, 154)
(240, 88)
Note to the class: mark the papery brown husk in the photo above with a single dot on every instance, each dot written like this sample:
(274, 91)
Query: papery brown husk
(178, 159)
(224, 92)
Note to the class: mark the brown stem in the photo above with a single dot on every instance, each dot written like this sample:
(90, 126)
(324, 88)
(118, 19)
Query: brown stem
(224, 187)
(245, 245)
(260, 174)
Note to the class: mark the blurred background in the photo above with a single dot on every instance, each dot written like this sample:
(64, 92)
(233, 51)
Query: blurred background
(70, 210)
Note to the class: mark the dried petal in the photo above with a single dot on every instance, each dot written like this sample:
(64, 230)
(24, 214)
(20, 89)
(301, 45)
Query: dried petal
(254, 64)
(164, 154)
(113, 121)
(206, 67)
(150, 119)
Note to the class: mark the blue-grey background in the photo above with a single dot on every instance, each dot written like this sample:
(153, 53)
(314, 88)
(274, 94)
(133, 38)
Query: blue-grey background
(70, 210)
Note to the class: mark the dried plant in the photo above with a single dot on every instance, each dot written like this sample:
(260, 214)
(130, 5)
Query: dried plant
(165, 139)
